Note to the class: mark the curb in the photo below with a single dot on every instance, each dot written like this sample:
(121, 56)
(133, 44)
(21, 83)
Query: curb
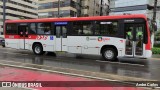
(156, 58)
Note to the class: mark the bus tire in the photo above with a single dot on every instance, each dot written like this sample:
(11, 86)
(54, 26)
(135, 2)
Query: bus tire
(38, 49)
(109, 54)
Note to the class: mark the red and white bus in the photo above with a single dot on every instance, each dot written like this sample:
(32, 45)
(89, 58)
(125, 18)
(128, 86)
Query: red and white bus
(109, 36)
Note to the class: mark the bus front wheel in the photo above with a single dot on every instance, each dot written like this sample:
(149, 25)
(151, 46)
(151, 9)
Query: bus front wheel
(38, 49)
(109, 54)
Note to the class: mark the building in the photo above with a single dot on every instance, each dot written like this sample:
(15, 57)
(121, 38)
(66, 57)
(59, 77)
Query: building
(57, 8)
(131, 6)
(105, 7)
(18, 9)
(70, 8)
(134, 7)
(90, 7)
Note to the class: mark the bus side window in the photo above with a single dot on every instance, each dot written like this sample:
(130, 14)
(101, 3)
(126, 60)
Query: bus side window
(109, 28)
(88, 27)
(32, 28)
(77, 28)
(23, 29)
(11, 29)
(44, 28)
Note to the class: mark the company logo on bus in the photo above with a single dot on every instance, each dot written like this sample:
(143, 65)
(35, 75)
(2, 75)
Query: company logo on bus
(91, 38)
(103, 39)
(100, 39)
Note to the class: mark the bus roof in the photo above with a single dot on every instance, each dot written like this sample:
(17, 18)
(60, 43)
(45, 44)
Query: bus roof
(78, 18)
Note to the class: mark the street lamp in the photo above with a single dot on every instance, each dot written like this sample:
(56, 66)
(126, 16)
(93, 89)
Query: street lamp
(4, 14)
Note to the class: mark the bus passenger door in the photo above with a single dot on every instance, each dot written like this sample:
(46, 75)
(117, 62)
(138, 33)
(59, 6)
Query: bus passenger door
(61, 38)
(139, 39)
(23, 33)
(134, 39)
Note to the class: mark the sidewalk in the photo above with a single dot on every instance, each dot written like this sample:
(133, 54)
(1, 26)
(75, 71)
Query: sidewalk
(156, 57)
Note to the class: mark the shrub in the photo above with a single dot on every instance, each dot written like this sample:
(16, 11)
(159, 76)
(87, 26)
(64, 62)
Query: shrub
(156, 50)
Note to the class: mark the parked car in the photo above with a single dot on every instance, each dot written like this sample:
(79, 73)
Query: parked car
(2, 42)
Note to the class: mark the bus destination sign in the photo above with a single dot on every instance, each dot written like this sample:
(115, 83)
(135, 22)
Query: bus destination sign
(60, 23)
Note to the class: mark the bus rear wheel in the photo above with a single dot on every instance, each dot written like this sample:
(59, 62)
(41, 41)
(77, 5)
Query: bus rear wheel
(38, 49)
(109, 54)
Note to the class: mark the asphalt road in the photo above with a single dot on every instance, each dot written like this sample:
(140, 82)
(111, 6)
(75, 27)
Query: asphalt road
(147, 69)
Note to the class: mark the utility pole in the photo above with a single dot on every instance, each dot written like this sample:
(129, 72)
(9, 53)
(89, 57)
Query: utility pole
(154, 11)
(58, 8)
(4, 14)
(154, 22)
(94, 8)
(108, 8)
(101, 8)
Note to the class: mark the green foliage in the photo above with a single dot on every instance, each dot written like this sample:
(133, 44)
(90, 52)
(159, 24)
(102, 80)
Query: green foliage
(156, 50)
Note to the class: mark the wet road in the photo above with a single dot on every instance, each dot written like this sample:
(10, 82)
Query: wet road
(54, 81)
(148, 69)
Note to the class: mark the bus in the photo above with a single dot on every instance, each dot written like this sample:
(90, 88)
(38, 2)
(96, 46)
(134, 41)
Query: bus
(108, 36)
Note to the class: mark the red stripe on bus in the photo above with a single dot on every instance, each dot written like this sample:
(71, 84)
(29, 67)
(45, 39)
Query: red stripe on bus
(20, 37)
(148, 45)
(77, 18)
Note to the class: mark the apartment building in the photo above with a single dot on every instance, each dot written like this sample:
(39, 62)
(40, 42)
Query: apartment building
(51, 8)
(71, 8)
(18, 9)
(90, 7)
(105, 7)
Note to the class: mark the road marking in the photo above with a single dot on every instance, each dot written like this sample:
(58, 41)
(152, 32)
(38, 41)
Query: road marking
(14, 53)
(120, 63)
